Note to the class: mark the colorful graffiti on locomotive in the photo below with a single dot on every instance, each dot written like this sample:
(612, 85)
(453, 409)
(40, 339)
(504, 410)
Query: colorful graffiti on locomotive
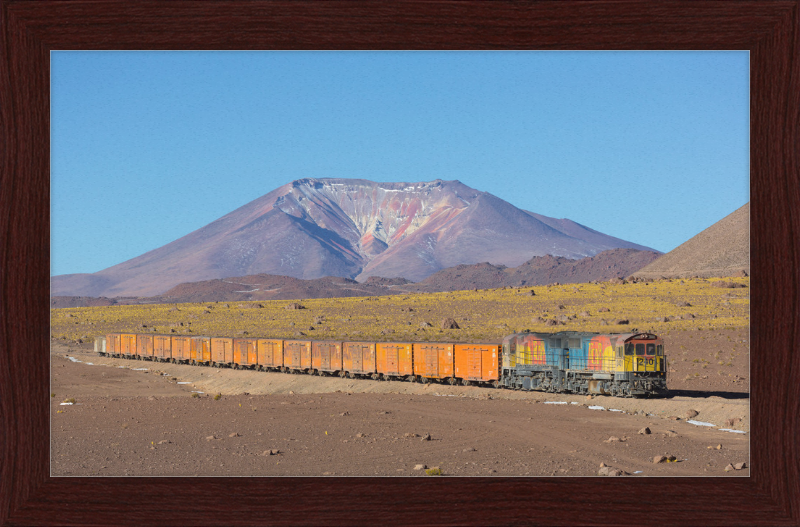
(569, 361)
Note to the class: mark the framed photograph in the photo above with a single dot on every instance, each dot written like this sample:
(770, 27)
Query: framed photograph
(33, 30)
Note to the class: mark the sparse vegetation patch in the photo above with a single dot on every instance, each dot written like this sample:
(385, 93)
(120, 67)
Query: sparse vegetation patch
(487, 315)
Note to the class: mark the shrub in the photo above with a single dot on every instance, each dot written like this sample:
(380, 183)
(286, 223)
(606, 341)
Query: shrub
(218, 397)
(435, 471)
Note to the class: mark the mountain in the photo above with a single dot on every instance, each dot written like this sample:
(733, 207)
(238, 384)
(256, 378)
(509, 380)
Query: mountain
(721, 250)
(350, 228)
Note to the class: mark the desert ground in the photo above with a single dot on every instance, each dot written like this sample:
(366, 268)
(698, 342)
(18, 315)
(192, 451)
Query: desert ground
(140, 418)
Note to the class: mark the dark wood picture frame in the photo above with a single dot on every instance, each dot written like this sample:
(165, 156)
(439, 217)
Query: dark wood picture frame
(31, 29)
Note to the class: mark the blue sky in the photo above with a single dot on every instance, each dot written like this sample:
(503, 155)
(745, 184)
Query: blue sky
(146, 147)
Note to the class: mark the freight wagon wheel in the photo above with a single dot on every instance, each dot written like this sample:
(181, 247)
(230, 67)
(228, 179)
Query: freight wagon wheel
(496, 384)
(453, 381)
(423, 380)
(465, 382)
(352, 375)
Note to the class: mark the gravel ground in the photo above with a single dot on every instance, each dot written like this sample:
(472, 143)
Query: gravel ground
(127, 421)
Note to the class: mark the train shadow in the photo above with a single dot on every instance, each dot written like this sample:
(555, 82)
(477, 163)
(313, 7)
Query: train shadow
(703, 394)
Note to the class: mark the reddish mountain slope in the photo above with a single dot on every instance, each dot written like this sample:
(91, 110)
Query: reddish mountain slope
(721, 250)
(312, 228)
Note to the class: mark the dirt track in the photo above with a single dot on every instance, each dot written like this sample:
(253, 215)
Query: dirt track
(129, 422)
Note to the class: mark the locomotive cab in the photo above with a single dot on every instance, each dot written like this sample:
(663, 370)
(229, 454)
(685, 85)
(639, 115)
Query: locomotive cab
(645, 364)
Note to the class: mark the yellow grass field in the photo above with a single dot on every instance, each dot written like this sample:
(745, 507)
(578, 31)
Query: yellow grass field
(483, 316)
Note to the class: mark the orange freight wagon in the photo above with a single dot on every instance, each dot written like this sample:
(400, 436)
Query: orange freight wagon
(478, 363)
(144, 346)
(326, 357)
(270, 354)
(127, 345)
(162, 348)
(113, 344)
(200, 350)
(181, 348)
(222, 351)
(358, 358)
(297, 355)
(433, 360)
(244, 353)
(394, 359)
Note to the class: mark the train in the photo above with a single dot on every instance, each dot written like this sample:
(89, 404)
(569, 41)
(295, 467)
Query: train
(621, 365)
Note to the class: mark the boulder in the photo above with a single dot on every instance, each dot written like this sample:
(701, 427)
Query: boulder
(611, 471)
(664, 459)
(724, 284)
(449, 323)
(733, 421)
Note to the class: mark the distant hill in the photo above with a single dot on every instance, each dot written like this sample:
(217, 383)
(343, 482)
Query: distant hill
(350, 228)
(539, 270)
(721, 250)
